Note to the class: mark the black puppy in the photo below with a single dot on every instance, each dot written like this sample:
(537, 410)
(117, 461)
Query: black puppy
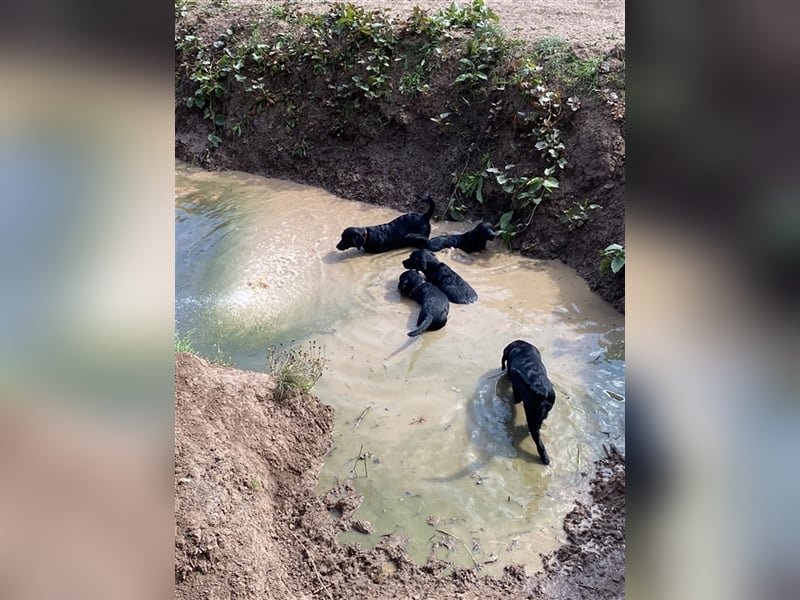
(473, 240)
(435, 307)
(531, 387)
(411, 229)
(442, 276)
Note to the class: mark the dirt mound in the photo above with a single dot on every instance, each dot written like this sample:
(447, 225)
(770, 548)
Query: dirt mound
(244, 469)
(248, 524)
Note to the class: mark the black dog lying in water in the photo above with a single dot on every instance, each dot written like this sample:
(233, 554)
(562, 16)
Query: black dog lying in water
(473, 240)
(531, 387)
(439, 274)
(411, 229)
(434, 304)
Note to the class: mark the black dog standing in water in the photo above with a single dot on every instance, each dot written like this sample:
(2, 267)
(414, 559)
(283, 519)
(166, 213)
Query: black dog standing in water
(531, 387)
(439, 274)
(470, 241)
(411, 229)
(434, 304)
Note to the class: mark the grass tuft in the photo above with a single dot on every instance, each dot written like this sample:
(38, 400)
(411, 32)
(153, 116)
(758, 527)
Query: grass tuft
(296, 369)
(183, 343)
(560, 63)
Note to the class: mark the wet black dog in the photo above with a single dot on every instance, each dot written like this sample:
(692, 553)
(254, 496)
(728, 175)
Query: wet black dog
(473, 240)
(411, 229)
(531, 387)
(442, 276)
(435, 307)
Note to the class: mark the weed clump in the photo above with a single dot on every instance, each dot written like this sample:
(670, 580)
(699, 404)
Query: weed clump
(296, 369)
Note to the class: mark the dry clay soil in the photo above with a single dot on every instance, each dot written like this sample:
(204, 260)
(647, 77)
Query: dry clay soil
(248, 523)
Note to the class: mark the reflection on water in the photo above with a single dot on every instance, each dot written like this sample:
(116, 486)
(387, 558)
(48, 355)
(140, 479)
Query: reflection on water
(256, 265)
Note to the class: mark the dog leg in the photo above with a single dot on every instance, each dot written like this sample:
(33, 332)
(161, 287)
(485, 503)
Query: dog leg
(416, 240)
(540, 447)
(533, 414)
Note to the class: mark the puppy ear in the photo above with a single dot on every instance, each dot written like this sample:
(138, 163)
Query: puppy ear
(505, 358)
(358, 240)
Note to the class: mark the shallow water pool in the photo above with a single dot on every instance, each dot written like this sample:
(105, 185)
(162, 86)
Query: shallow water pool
(448, 456)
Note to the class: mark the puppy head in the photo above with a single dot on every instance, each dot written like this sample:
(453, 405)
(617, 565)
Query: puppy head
(409, 281)
(516, 347)
(420, 260)
(486, 231)
(352, 237)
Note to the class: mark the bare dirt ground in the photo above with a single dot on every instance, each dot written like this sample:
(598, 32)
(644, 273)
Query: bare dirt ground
(248, 524)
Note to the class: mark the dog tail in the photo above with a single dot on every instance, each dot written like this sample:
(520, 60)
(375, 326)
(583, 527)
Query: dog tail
(426, 197)
(426, 322)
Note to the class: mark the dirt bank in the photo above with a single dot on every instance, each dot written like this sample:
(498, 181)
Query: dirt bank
(380, 109)
(248, 524)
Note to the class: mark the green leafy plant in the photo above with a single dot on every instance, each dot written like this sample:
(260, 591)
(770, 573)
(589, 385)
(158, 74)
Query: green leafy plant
(458, 211)
(469, 184)
(472, 71)
(470, 16)
(551, 147)
(296, 369)
(413, 82)
(363, 57)
(612, 257)
(484, 50)
(302, 148)
(525, 190)
(214, 140)
(505, 228)
(576, 215)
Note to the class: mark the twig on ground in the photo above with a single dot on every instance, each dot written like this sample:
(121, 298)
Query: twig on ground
(455, 537)
(360, 456)
(361, 417)
(324, 585)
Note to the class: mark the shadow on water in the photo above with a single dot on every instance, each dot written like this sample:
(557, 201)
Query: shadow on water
(490, 427)
(337, 256)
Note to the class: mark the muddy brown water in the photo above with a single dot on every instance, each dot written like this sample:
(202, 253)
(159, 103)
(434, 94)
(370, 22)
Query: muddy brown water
(445, 458)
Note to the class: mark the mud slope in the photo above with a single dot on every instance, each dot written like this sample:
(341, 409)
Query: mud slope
(248, 524)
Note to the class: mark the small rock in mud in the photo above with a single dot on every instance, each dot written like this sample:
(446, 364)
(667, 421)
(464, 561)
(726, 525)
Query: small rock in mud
(362, 526)
(389, 567)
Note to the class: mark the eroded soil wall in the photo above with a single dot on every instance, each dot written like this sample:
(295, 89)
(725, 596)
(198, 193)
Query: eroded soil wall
(283, 115)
